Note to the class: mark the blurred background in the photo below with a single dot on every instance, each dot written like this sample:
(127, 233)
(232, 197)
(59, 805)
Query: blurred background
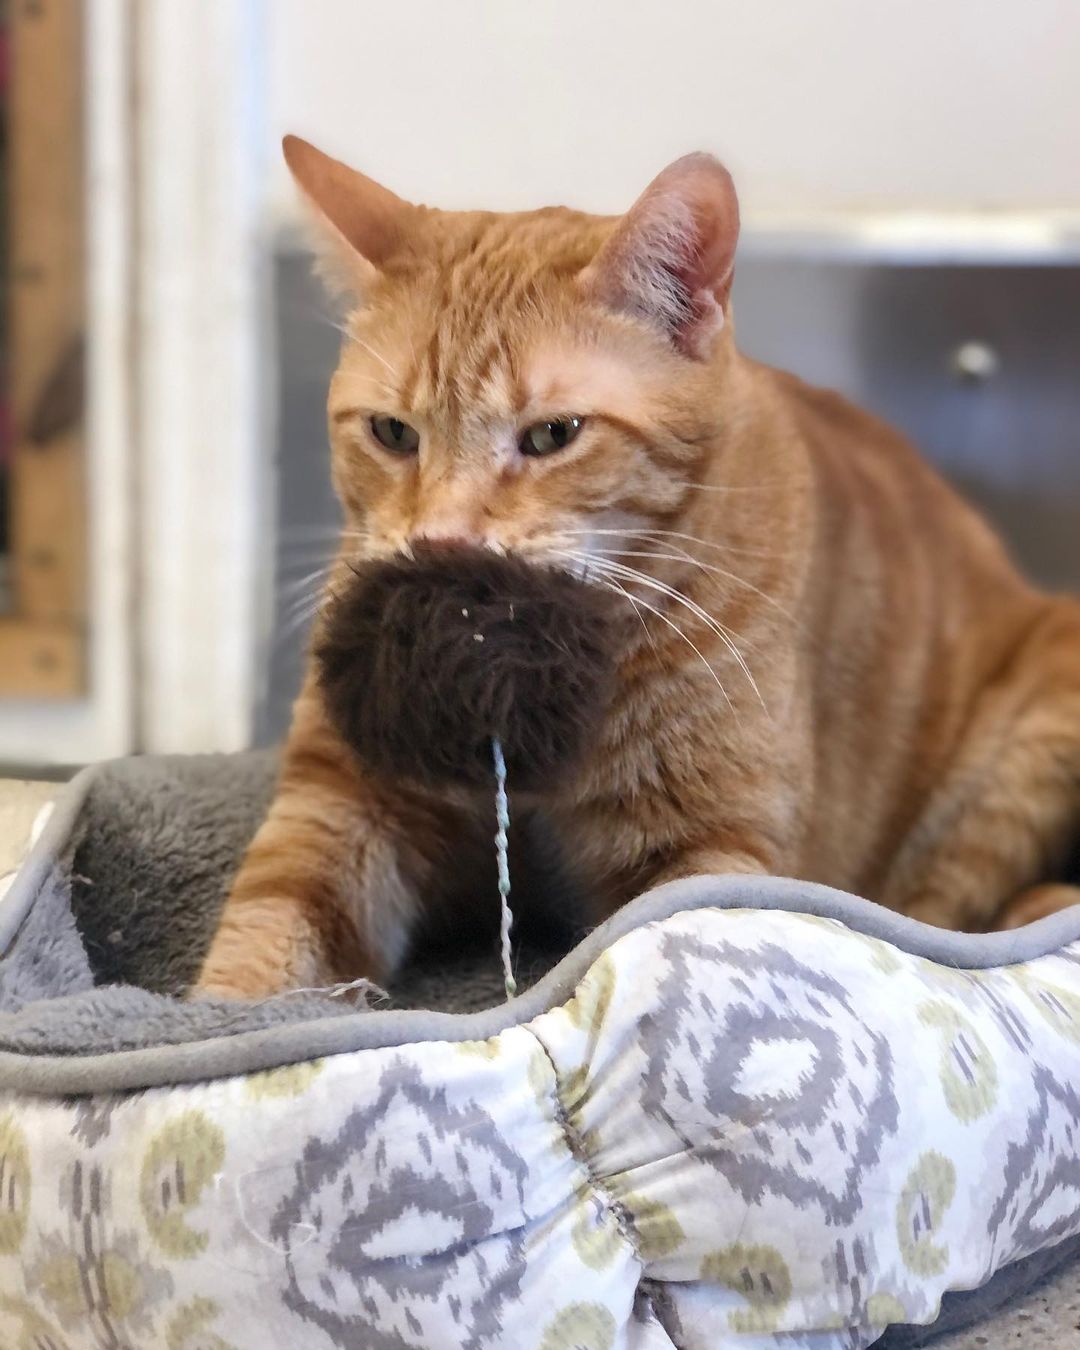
(910, 181)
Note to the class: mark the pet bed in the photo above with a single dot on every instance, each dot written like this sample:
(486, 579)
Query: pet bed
(744, 1112)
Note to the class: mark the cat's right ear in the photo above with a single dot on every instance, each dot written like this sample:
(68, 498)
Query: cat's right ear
(671, 258)
(359, 223)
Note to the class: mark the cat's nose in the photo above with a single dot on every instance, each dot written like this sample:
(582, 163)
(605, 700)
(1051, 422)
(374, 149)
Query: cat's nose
(447, 538)
(454, 517)
(452, 529)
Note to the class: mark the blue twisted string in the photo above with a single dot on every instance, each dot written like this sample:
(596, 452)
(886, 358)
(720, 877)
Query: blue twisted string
(502, 848)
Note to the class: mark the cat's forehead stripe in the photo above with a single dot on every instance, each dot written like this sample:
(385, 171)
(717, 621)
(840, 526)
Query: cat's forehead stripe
(477, 334)
(576, 378)
(487, 292)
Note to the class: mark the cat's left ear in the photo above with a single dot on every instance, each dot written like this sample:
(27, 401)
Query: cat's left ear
(359, 223)
(671, 259)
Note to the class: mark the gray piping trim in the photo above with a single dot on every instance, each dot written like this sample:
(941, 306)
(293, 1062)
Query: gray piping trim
(252, 1051)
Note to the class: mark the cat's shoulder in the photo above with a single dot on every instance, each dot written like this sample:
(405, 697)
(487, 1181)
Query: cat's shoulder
(825, 417)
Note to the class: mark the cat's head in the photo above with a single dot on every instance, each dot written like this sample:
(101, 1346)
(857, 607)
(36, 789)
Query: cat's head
(535, 382)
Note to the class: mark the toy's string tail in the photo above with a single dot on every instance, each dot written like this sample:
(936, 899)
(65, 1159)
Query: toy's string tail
(502, 846)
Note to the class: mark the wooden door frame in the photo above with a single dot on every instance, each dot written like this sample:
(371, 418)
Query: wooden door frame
(42, 641)
(91, 716)
(178, 444)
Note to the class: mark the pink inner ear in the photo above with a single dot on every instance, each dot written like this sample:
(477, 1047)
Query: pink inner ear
(671, 259)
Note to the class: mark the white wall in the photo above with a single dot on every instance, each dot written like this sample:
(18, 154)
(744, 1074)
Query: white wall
(818, 105)
(203, 414)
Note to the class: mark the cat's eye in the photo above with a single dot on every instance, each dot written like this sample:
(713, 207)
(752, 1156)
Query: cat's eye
(394, 434)
(545, 438)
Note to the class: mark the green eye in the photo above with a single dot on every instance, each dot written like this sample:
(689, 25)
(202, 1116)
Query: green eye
(395, 434)
(544, 438)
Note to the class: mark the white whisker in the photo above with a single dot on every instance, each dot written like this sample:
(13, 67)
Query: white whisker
(300, 619)
(730, 576)
(661, 535)
(320, 528)
(377, 355)
(721, 631)
(634, 574)
(288, 569)
(609, 584)
(314, 550)
(294, 614)
(731, 487)
(311, 313)
(683, 556)
(390, 390)
(305, 583)
(317, 534)
(672, 557)
(677, 534)
(623, 591)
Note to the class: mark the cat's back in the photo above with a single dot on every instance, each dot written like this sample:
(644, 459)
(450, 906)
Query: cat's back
(874, 487)
(911, 610)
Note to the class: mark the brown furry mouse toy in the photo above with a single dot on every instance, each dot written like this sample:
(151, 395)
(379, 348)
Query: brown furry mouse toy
(424, 662)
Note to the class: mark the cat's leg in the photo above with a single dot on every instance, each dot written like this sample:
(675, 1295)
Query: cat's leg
(1037, 902)
(690, 861)
(321, 897)
(733, 831)
(1005, 818)
(330, 887)
(716, 860)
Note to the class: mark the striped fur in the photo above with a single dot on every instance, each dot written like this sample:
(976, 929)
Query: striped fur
(830, 669)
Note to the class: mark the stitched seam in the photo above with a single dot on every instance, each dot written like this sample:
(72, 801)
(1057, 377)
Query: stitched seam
(660, 1304)
(576, 1148)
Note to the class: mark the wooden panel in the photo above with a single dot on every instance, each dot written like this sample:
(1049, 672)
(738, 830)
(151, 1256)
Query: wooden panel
(39, 659)
(99, 723)
(47, 315)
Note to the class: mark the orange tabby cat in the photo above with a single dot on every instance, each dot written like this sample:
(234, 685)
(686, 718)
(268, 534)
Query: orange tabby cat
(831, 670)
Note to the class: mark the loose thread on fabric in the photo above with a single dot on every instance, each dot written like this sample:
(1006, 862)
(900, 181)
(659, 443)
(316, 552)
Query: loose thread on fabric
(502, 849)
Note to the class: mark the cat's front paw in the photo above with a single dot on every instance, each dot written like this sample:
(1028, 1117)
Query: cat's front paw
(262, 948)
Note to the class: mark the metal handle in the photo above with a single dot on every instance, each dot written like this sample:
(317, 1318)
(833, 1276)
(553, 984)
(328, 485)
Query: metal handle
(974, 362)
